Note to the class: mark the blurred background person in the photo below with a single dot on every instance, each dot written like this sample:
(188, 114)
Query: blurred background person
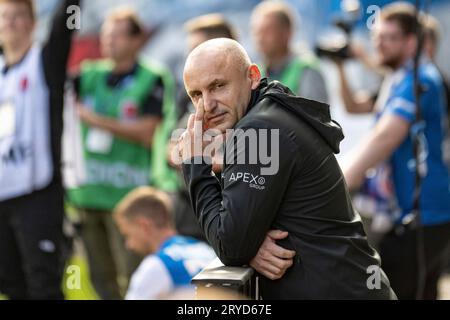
(170, 262)
(432, 34)
(124, 103)
(361, 102)
(432, 38)
(272, 27)
(375, 201)
(390, 144)
(31, 193)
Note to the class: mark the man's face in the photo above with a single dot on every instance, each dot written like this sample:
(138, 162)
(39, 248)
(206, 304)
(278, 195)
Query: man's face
(116, 41)
(391, 44)
(268, 35)
(221, 88)
(16, 23)
(136, 235)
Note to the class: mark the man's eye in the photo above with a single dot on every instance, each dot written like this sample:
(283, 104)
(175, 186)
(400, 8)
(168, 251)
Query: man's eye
(196, 95)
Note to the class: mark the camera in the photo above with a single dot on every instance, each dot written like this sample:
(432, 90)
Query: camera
(336, 46)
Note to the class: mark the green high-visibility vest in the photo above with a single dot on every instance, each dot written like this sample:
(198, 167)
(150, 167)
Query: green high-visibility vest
(293, 72)
(112, 173)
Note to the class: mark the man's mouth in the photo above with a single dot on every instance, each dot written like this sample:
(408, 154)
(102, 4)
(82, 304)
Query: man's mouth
(215, 118)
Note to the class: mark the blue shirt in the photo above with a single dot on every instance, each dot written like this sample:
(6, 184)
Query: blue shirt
(171, 268)
(184, 257)
(435, 196)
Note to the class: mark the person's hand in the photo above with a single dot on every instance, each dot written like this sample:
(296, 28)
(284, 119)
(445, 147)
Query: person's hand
(173, 155)
(272, 261)
(357, 51)
(190, 144)
(339, 62)
(218, 157)
(87, 115)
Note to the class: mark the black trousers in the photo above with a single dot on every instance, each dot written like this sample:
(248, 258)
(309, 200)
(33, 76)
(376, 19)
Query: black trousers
(31, 239)
(398, 252)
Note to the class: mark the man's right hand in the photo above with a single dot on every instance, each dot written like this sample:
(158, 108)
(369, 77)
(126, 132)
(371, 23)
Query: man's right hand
(272, 261)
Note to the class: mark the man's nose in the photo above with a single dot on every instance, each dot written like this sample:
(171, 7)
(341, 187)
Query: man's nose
(209, 103)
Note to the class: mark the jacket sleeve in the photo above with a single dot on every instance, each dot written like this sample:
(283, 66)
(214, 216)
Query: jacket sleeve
(236, 218)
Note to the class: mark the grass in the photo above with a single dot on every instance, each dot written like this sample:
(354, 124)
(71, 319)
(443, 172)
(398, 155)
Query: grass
(84, 289)
(76, 283)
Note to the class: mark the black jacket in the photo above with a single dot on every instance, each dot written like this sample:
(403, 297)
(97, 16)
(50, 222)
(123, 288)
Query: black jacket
(306, 197)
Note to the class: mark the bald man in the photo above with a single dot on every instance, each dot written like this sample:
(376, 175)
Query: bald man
(280, 174)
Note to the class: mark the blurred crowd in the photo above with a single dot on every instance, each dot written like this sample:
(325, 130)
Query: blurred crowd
(106, 187)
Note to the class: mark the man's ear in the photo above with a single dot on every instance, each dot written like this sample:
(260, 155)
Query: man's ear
(255, 76)
(145, 223)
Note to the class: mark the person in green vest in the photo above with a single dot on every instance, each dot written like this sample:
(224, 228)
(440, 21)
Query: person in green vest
(127, 111)
(272, 27)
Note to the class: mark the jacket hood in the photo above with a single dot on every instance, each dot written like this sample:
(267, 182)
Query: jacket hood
(316, 114)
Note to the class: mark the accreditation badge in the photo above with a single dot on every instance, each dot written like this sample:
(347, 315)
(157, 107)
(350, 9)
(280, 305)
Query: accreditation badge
(99, 141)
(7, 119)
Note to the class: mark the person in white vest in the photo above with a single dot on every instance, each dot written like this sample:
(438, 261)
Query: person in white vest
(31, 194)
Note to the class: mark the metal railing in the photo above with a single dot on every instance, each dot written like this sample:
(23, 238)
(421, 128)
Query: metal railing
(238, 282)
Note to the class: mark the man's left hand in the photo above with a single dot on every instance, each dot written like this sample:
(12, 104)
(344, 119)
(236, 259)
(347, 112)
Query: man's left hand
(272, 261)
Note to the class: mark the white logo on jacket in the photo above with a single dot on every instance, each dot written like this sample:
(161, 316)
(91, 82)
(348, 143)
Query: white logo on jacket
(254, 181)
